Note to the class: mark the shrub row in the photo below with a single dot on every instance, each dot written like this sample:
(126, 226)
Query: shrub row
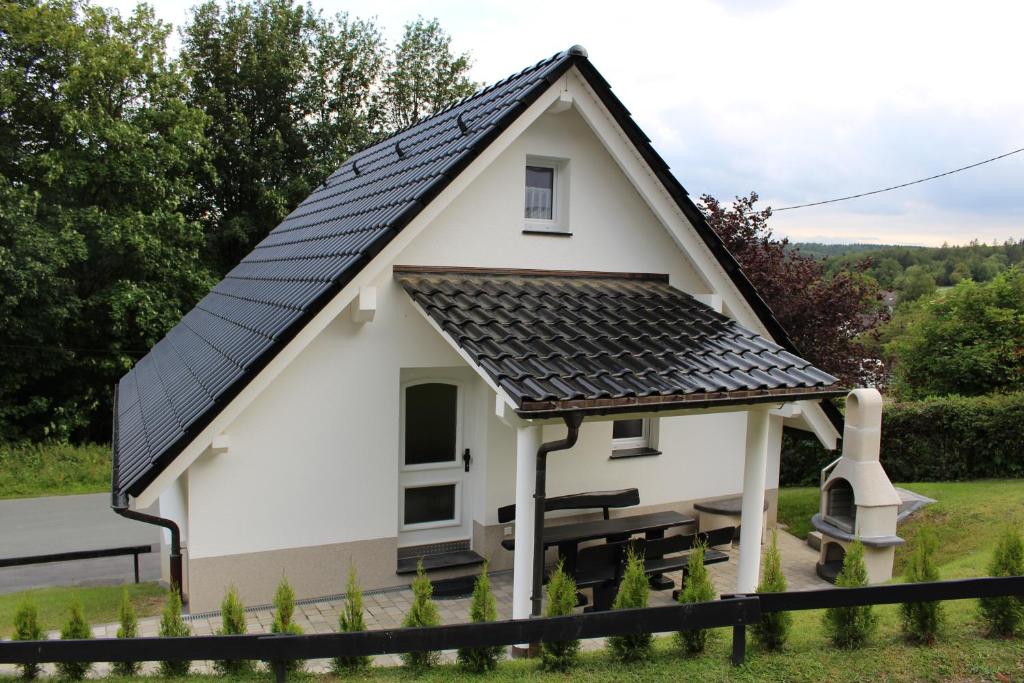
(951, 438)
(846, 627)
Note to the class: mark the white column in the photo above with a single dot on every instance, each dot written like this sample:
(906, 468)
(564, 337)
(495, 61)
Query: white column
(527, 443)
(752, 512)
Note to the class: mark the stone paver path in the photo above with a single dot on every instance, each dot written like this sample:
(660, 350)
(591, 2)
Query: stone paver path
(385, 609)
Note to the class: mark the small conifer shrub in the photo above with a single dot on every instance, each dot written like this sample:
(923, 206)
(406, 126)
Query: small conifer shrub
(634, 592)
(232, 617)
(423, 612)
(698, 588)
(127, 628)
(173, 626)
(482, 608)
(75, 628)
(773, 628)
(560, 655)
(350, 620)
(921, 620)
(850, 627)
(26, 627)
(284, 613)
(1004, 615)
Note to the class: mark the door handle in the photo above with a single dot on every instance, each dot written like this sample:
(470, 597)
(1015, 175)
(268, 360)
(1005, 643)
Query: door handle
(466, 459)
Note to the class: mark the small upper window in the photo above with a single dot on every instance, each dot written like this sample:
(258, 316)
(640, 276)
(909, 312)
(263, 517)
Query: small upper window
(633, 437)
(540, 193)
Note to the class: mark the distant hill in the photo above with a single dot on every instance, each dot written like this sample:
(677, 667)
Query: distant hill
(821, 250)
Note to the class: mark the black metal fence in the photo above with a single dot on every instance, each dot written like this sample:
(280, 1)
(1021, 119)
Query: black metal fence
(133, 550)
(737, 611)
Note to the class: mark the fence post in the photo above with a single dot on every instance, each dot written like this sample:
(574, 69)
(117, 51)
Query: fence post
(280, 670)
(739, 644)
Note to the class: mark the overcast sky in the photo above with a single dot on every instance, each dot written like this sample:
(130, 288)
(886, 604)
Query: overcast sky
(800, 101)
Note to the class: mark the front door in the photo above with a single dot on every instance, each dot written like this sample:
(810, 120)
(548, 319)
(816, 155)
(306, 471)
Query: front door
(432, 478)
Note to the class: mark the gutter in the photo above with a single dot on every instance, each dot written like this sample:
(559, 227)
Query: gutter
(119, 504)
(572, 422)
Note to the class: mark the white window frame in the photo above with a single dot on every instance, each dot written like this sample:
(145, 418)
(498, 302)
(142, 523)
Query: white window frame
(559, 221)
(436, 524)
(459, 393)
(647, 439)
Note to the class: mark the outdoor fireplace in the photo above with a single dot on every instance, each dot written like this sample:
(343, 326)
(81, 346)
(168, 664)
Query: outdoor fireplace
(857, 499)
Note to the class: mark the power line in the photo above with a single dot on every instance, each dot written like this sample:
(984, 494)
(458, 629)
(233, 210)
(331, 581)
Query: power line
(896, 187)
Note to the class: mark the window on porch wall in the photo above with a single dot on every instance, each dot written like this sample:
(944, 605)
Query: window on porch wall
(633, 437)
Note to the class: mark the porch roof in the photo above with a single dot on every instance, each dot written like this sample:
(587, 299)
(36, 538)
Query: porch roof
(557, 342)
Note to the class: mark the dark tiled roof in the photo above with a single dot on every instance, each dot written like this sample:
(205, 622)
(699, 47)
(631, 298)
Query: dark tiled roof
(173, 392)
(606, 342)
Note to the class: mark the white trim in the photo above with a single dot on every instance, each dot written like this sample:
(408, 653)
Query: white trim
(559, 221)
(460, 391)
(642, 441)
(383, 260)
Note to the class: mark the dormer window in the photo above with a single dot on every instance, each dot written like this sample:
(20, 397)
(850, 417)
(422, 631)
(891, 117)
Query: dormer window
(546, 207)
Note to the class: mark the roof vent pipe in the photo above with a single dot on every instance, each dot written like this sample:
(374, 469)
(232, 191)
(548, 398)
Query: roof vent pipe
(462, 124)
(572, 423)
(355, 167)
(399, 150)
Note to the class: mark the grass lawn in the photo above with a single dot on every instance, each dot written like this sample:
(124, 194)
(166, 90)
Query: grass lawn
(962, 654)
(53, 469)
(967, 518)
(100, 603)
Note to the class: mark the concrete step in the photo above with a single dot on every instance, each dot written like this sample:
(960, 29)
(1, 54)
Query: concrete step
(814, 540)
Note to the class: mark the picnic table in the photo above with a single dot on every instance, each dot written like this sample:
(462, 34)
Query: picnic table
(568, 537)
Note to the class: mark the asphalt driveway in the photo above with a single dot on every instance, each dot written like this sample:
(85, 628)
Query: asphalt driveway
(36, 526)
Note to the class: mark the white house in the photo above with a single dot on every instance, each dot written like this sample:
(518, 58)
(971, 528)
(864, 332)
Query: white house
(378, 376)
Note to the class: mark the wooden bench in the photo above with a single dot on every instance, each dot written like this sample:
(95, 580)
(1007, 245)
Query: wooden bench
(600, 567)
(580, 501)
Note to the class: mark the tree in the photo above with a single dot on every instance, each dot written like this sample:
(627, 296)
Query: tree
(966, 342)
(232, 619)
(350, 620)
(99, 157)
(482, 609)
(915, 284)
(425, 76)
(634, 592)
(173, 626)
(75, 628)
(423, 612)
(922, 620)
(127, 628)
(560, 655)
(697, 588)
(826, 315)
(1005, 614)
(850, 627)
(284, 613)
(773, 628)
(26, 627)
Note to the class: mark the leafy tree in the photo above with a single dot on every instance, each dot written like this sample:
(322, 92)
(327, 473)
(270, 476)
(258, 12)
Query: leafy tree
(284, 613)
(425, 76)
(773, 628)
(482, 609)
(128, 628)
(99, 157)
(915, 284)
(922, 620)
(26, 627)
(967, 342)
(349, 620)
(634, 592)
(423, 612)
(232, 617)
(75, 628)
(560, 655)
(1004, 615)
(698, 588)
(850, 627)
(173, 626)
(826, 315)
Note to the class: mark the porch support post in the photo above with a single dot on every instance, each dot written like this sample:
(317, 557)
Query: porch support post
(527, 445)
(752, 511)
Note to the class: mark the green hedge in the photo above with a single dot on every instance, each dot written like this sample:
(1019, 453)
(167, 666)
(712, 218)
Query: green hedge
(950, 438)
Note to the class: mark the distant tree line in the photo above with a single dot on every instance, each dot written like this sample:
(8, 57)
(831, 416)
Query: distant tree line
(132, 179)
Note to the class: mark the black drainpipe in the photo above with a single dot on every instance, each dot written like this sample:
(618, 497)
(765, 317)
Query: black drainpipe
(119, 503)
(572, 423)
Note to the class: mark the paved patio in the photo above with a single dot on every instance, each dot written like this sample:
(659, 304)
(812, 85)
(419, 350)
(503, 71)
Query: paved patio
(385, 609)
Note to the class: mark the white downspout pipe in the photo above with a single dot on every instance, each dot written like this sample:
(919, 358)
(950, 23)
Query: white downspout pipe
(752, 512)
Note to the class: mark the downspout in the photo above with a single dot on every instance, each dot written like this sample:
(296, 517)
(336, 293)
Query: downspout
(119, 503)
(572, 423)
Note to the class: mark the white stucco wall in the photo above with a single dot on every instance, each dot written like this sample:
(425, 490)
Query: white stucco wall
(314, 459)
